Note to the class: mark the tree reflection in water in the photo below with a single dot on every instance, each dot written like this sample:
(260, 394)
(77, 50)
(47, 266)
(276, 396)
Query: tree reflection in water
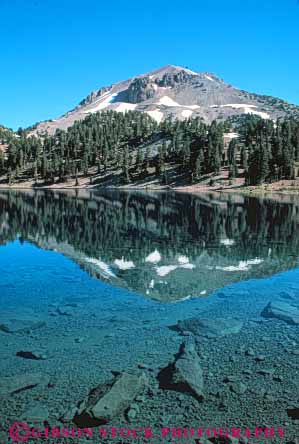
(166, 246)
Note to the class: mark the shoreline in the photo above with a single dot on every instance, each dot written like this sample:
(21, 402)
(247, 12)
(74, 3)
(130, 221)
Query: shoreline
(258, 190)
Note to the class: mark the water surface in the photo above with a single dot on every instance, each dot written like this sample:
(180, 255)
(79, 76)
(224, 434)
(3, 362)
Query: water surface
(165, 246)
(106, 275)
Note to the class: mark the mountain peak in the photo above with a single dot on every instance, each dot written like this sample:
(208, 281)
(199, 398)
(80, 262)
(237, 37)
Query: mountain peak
(174, 91)
(170, 69)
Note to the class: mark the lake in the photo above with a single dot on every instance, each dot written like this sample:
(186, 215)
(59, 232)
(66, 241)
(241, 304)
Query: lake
(98, 283)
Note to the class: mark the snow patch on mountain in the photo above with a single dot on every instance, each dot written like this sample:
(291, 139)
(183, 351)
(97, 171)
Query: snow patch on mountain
(122, 264)
(187, 70)
(123, 107)
(186, 113)
(104, 104)
(188, 266)
(183, 259)
(101, 266)
(231, 135)
(167, 101)
(164, 270)
(242, 266)
(155, 114)
(227, 242)
(248, 109)
(153, 257)
(173, 90)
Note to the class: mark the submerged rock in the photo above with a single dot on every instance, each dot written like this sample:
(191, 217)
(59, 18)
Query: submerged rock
(79, 340)
(209, 328)
(238, 387)
(25, 381)
(3, 437)
(230, 378)
(69, 414)
(14, 322)
(260, 358)
(184, 374)
(65, 311)
(31, 355)
(283, 311)
(249, 352)
(222, 440)
(132, 413)
(293, 413)
(287, 295)
(266, 371)
(109, 400)
(36, 413)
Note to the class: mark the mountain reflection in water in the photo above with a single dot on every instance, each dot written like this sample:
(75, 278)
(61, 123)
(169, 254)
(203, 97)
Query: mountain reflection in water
(166, 246)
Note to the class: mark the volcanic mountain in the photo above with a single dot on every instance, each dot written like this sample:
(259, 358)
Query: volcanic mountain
(174, 91)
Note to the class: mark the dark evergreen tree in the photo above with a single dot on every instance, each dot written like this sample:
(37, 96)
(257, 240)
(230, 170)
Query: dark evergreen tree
(199, 166)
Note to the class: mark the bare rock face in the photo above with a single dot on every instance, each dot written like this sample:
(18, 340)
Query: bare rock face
(94, 95)
(171, 79)
(110, 400)
(173, 91)
(283, 311)
(185, 373)
(140, 90)
(209, 328)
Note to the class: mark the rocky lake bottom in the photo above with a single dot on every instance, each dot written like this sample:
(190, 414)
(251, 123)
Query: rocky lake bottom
(76, 351)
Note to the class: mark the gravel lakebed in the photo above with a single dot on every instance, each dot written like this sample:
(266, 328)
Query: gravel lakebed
(226, 360)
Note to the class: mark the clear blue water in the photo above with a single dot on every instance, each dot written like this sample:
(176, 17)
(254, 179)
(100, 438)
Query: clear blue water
(109, 273)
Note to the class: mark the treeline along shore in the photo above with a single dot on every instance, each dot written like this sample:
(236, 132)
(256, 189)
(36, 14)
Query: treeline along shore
(132, 149)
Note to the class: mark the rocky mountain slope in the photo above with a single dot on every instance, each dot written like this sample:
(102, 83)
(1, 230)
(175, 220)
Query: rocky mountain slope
(174, 91)
(6, 135)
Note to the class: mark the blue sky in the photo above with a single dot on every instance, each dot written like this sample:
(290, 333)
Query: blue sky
(54, 52)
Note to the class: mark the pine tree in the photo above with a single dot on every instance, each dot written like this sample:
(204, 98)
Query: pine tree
(297, 144)
(44, 166)
(9, 176)
(76, 178)
(35, 172)
(253, 166)
(146, 161)
(139, 160)
(160, 165)
(2, 162)
(263, 164)
(244, 158)
(125, 165)
(99, 166)
(103, 140)
(199, 165)
(186, 154)
(231, 152)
